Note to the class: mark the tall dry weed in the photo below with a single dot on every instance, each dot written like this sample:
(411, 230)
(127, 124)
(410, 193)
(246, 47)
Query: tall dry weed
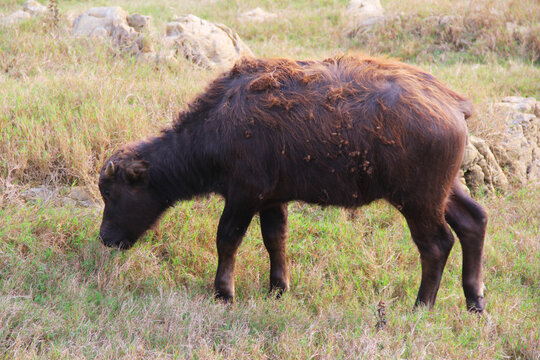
(53, 15)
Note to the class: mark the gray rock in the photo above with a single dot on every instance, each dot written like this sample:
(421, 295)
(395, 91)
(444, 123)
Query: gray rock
(80, 196)
(41, 193)
(470, 157)
(111, 22)
(514, 156)
(14, 18)
(517, 104)
(138, 22)
(518, 149)
(362, 15)
(474, 178)
(99, 33)
(480, 168)
(76, 196)
(108, 18)
(205, 43)
(34, 8)
(494, 177)
(257, 15)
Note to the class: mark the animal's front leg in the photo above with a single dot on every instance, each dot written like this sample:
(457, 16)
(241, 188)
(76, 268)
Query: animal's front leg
(232, 227)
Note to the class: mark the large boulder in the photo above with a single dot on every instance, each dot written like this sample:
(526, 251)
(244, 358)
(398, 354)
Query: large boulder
(98, 19)
(111, 22)
(207, 44)
(362, 15)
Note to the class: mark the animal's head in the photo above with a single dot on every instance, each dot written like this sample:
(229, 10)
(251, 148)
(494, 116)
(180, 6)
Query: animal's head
(132, 205)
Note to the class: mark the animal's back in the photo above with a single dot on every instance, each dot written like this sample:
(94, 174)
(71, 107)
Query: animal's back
(340, 131)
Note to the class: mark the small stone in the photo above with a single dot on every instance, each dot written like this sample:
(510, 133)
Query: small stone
(257, 15)
(34, 8)
(80, 196)
(40, 194)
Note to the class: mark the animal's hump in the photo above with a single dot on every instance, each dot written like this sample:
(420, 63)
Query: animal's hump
(351, 74)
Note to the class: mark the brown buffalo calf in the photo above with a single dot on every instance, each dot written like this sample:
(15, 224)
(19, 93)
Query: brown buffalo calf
(343, 132)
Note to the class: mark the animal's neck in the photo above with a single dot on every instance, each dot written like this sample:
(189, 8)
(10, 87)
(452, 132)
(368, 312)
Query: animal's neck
(178, 169)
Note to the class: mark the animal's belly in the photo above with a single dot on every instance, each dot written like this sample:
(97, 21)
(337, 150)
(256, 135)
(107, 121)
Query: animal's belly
(345, 186)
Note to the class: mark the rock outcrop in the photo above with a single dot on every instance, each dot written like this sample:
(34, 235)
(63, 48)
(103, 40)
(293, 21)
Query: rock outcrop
(207, 44)
(518, 150)
(513, 157)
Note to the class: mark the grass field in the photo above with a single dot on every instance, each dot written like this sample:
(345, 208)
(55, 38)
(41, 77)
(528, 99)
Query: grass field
(66, 104)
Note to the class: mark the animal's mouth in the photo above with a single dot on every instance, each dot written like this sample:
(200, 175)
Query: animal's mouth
(123, 244)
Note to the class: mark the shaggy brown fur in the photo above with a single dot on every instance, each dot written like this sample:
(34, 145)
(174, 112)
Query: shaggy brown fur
(344, 131)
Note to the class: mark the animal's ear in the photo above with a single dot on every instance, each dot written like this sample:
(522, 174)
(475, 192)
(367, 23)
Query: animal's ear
(136, 170)
(110, 170)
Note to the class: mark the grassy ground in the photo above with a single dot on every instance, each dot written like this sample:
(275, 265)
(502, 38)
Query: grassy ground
(67, 104)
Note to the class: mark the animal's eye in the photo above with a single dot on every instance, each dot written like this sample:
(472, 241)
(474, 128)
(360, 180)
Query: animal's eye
(106, 193)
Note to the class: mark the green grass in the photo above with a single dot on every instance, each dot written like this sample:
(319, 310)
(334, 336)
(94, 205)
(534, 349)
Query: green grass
(66, 104)
(64, 294)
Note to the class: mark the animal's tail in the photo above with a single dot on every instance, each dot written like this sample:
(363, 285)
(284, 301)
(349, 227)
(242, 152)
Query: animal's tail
(466, 107)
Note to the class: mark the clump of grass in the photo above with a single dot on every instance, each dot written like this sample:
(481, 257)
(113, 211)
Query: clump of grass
(474, 33)
(531, 43)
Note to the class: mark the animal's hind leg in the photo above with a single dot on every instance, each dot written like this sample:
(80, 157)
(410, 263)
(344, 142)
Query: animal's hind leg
(274, 233)
(434, 240)
(468, 219)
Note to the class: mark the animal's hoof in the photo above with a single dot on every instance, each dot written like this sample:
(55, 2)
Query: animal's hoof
(226, 298)
(476, 305)
(276, 293)
(277, 288)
